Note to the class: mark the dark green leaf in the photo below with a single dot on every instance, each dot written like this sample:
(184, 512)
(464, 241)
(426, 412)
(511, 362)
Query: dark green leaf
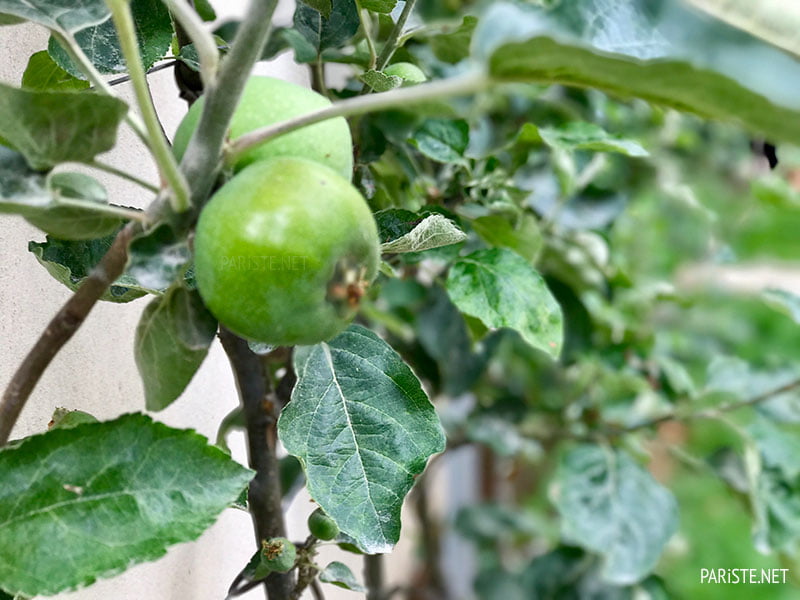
(453, 46)
(205, 10)
(613, 507)
(379, 6)
(363, 428)
(339, 574)
(443, 140)
(101, 497)
(65, 205)
(502, 289)
(63, 15)
(380, 82)
(327, 32)
(321, 6)
(70, 263)
(153, 30)
(669, 56)
(53, 127)
(43, 74)
(172, 340)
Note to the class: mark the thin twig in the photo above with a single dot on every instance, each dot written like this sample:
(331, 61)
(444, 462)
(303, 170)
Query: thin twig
(260, 409)
(713, 412)
(61, 328)
(316, 590)
(391, 42)
(123, 174)
(126, 78)
(358, 105)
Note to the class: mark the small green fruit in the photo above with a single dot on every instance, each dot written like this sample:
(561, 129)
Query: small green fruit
(322, 526)
(265, 101)
(284, 251)
(410, 74)
(278, 554)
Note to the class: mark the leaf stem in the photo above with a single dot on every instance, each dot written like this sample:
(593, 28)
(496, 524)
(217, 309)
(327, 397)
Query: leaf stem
(61, 328)
(391, 42)
(112, 210)
(203, 40)
(101, 166)
(455, 86)
(78, 56)
(168, 166)
(366, 27)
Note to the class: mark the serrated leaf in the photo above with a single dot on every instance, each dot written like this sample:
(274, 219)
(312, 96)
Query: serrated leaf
(100, 43)
(613, 507)
(65, 419)
(66, 205)
(363, 428)
(380, 82)
(101, 497)
(502, 289)
(327, 32)
(42, 73)
(71, 262)
(63, 15)
(172, 340)
(340, 575)
(321, 6)
(434, 231)
(577, 135)
(672, 57)
(383, 7)
(443, 140)
(53, 127)
(524, 238)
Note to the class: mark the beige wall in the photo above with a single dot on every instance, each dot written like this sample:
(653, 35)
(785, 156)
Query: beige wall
(95, 372)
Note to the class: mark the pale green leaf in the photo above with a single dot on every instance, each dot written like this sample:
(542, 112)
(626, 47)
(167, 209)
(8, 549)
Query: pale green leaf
(380, 82)
(62, 15)
(434, 231)
(340, 575)
(42, 73)
(577, 135)
(502, 289)
(363, 428)
(612, 506)
(524, 237)
(172, 340)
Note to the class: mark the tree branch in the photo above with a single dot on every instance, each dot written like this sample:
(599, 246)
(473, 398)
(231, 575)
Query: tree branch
(261, 409)
(373, 576)
(61, 328)
(713, 412)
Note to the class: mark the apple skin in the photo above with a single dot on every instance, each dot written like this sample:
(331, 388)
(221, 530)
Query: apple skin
(284, 251)
(265, 101)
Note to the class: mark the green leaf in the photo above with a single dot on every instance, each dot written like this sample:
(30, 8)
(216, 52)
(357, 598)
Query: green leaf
(613, 507)
(43, 74)
(502, 289)
(205, 10)
(363, 428)
(776, 485)
(65, 419)
(70, 263)
(380, 82)
(53, 127)
(673, 57)
(434, 231)
(443, 140)
(327, 32)
(321, 6)
(524, 238)
(340, 575)
(158, 258)
(65, 205)
(775, 22)
(58, 14)
(783, 301)
(100, 43)
(453, 46)
(172, 340)
(383, 7)
(101, 497)
(577, 135)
